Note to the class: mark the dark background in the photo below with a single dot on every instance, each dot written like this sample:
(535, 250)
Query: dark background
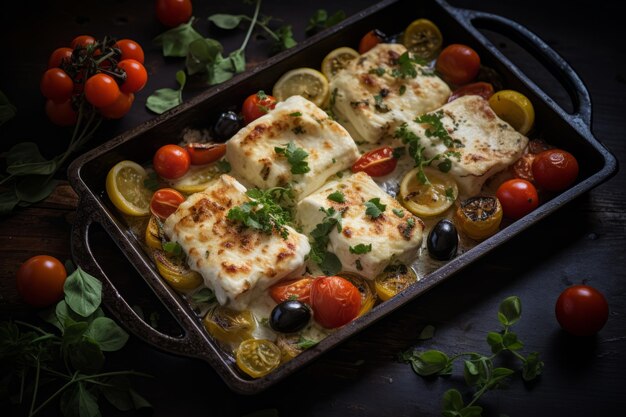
(583, 242)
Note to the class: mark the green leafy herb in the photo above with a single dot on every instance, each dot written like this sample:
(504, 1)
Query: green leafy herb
(152, 181)
(337, 197)
(398, 212)
(296, 158)
(167, 98)
(378, 71)
(305, 343)
(450, 194)
(331, 104)
(226, 21)
(173, 248)
(175, 42)
(408, 229)
(223, 166)
(82, 292)
(479, 370)
(328, 262)
(204, 296)
(374, 208)
(295, 114)
(379, 105)
(361, 249)
(320, 20)
(436, 128)
(7, 110)
(263, 212)
(402, 90)
(427, 332)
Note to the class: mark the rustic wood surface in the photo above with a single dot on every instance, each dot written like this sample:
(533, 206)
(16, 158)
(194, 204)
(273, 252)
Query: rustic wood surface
(583, 242)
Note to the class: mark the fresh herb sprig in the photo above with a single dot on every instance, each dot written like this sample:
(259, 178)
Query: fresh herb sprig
(321, 20)
(264, 212)
(406, 67)
(361, 249)
(478, 369)
(295, 156)
(374, 208)
(328, 262)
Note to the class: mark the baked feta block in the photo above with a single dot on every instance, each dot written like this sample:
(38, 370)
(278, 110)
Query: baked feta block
(394, 234)
(373, 95)
(236, 262)
(482, 143)
(254, 157)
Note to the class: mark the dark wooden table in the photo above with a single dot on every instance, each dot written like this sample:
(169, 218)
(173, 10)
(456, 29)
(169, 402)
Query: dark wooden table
(584, 241)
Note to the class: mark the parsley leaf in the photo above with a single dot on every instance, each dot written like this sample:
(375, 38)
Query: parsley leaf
(361, 249)
(296, 157)
(263, 212)
(398, 212)
(406, 67)
(223, 166)
(295, 114)
(436, 128)
(374, 208)
(379, 105)
(402, 90)
(337, 197)
(173, 248)
(305, 343)
(378, 71)
(328, 262)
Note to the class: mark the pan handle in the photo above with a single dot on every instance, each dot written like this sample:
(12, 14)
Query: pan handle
(190, 344)
(553, 62)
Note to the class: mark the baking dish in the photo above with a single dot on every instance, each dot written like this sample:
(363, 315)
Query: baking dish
(87, 173)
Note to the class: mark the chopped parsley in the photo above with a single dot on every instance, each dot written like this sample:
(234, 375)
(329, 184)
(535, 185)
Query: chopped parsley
(450, 194)
(328, 262)
(398, 212)
(305, 343)
(337, 197)
(361, 249)
(378, 71)
(402, 90)
(223, 166)
(406, 67)
(410, 224)
(436, 129)
(296, 157)
(295, 114)
(378, 102)
(173, 248)
(374, 208)
(263, 212)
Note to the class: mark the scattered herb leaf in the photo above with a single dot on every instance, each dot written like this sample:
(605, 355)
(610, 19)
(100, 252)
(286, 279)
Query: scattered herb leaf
(361, 249)
(164, 99)
(337, 197)
(374, 208)
(296, 158)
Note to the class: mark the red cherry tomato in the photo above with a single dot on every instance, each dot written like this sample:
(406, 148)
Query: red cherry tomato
(376, 163)
(83, 40)
(40, 280)
(119, 108)
(299, 289)
(459, 64)
(205, 153)
(171, 162)
(58, 56)
(136, 76)
(518, 198)
(335, 301)
(56, 85)
(483, 89)
(61, 114)
(555, 169)
(370, 40)
(130, 50)
(172, 13)
(582, 310)
(101, 90)
(256, 105)
(165, 202)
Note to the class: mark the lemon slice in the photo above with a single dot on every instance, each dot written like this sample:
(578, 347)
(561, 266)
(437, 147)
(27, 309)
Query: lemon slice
(337, 60)
(125, 188)
(423, 38)
(306, 82)
(428, 199)
(197, 178)
(514, 108)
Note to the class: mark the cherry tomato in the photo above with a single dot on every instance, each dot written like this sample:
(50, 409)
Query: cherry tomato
(297, 289)
(205, 153)
(119, 108)
(61, 114)
(335, 301)
(58, 56)
(582, 310)
(130, 50)
(376, 163)
(40, 280)
(56, 85)
(171, 162)
(83, 40)
(523, 168)
(555, 169)
(136, 75)
(370, 40)
(518, 198)
(101, 90)
(165, 202)
(172, 13)
(459, 64)
(256, 105)
(483, 89)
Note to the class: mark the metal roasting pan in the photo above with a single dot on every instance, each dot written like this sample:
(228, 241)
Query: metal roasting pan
(87, 173)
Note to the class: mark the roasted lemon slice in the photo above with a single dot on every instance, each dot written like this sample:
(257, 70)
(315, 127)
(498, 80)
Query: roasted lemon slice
(428, 199)
(306, 82)
(423, 38)
(197, 178)
(125, 188)
(337, 60)
(514, 108)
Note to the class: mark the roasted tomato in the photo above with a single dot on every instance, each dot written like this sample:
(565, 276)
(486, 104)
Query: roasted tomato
(479, 217)
(258, 357)
(229, 327)
(523, 168)
(205, 153)
(517, 197)
(174, 270)
(555, 169)
(40, 280)
(483, 89)
(165, 202)
(171, 162)
(335, 301)
(256, 105)
(376, 163)
(293, 289)
(459, 64)
(582, 310)
(370, 40)
(394, 279)
(368, 297)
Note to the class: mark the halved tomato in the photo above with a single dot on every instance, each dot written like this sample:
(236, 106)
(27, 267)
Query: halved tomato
(368, 297)
(165, 202)
(293, 289)
(335, 301)
(376, 163)
(483, 89)
(205, 153)
(258, 357)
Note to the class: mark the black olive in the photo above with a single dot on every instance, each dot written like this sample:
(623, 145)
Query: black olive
(443, 241)
(290, 316)
(227, 125)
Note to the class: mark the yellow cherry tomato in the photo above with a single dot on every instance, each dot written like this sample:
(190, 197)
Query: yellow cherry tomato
(394, 279)
(229, 327)
(337, 60)
(479, 217)
(431, 198)
(306, 82)
(258, 357)
(514, 108)
(124, 185)
(423, 38)
(153, 234)
(174, 270)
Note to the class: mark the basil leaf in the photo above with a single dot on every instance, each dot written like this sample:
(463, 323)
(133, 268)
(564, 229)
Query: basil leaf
(510, 311)
(431, 362)
(107, 334)
(8, 201)
(139, 401)
(7, 110)
(117, 392)
(25, 158)
(495, 341)
(428, 332)
(202, 53)
(511, 342)
(165, 99)
(331, 265)
(205, 295)
(470, 373)
(49, 316)
(83, 293)
(285, 38)
(532, 367)
(452, 400)
(86, 356)
(238, 60)
(176, 41)
(87, 402)
(34, 188)
(472, 411)
(225, 21)
(73, 333)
